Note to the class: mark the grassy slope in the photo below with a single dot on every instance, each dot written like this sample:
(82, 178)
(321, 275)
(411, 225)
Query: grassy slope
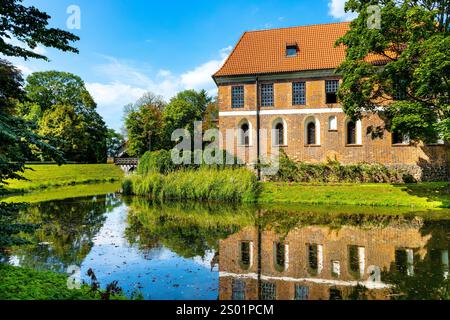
(46, 176)
(424, 195)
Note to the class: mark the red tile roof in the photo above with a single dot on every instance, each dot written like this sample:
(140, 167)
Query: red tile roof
(264, 51)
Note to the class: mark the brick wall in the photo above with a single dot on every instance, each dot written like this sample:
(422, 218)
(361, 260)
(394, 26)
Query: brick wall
(424, 162)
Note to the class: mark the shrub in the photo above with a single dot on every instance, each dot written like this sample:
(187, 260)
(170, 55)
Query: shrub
(161, 162)
(333, 171)
(155, 162)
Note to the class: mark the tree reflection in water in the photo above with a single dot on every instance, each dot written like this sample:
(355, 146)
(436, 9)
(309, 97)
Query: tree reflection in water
(280, 252)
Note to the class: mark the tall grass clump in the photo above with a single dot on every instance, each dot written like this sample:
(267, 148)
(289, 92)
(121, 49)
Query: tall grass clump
(204, 184)
(333, 171)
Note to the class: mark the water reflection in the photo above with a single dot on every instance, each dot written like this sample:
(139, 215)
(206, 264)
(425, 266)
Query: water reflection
(193, 251)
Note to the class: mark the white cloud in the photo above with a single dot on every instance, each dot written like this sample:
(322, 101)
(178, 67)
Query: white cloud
(128, 83)
(336, 10)
(25, 70)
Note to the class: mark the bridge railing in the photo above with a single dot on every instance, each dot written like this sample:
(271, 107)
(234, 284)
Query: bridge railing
(126, 161)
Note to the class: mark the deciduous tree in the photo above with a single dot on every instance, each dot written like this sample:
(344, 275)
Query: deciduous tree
(411, 52)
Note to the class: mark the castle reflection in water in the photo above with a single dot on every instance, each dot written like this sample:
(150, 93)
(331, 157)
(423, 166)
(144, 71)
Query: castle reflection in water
(315, 262)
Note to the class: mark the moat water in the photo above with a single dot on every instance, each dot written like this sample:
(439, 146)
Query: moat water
(193, 251)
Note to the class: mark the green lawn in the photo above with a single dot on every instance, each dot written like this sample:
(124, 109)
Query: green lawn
(423, 195)
(47, 176)
(65, 192)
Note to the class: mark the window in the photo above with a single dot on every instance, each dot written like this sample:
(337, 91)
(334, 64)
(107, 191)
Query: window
(335, 294)
(351, 132)
(404, 261)
(356, 260)
(311, 134)
(280, 256)
(315, 258)
(268, 291)
(246, 255)
(291, 50)
(301, 292)
(298, 93)
(245, 134)
(237, 97)
(398, 138)
(332, 123)
(238, 290)
(279, 134)
(267, 95)
(335, 268)
(331, 88)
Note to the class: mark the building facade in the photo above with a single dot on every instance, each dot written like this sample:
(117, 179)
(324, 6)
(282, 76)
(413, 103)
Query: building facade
(283, 82)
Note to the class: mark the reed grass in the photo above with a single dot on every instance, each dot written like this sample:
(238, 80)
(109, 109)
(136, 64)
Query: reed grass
(205, 184)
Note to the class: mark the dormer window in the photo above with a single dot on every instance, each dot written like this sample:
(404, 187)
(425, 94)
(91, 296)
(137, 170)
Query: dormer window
(291, 50)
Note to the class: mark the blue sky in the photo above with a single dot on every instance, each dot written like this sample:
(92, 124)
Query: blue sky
(130, 47)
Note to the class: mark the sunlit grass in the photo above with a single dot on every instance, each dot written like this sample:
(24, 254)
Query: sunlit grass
(65, 192)
(424, 195)
(48, 176)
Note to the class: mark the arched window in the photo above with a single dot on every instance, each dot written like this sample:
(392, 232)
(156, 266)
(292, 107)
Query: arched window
(311, 134)
(244, 134)
(315, 258)
(246, 255)
(279, 134)
(332, 123)
(280, 256)
(351, 132)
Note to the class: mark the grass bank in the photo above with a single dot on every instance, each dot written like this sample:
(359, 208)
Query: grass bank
(423, 195)
(48, 176)
(65, 192)
(228, 185)
(240, 185)
(27, 284)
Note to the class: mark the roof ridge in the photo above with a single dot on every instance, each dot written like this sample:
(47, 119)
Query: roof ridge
(302, 26)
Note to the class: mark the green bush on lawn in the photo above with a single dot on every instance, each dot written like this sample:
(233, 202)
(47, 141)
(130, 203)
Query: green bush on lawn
(161, 162)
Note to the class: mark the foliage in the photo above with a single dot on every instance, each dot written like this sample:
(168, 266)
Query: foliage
(51, 88)
(114, 141)
(156, 162)
(333, 171)
(27, 284)
(231, 185)
(414, 42)
(161, 162)
(67, 114)
(16, 138)
(189, 229)
(150, 122)
(29, 26)
(144, 125)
